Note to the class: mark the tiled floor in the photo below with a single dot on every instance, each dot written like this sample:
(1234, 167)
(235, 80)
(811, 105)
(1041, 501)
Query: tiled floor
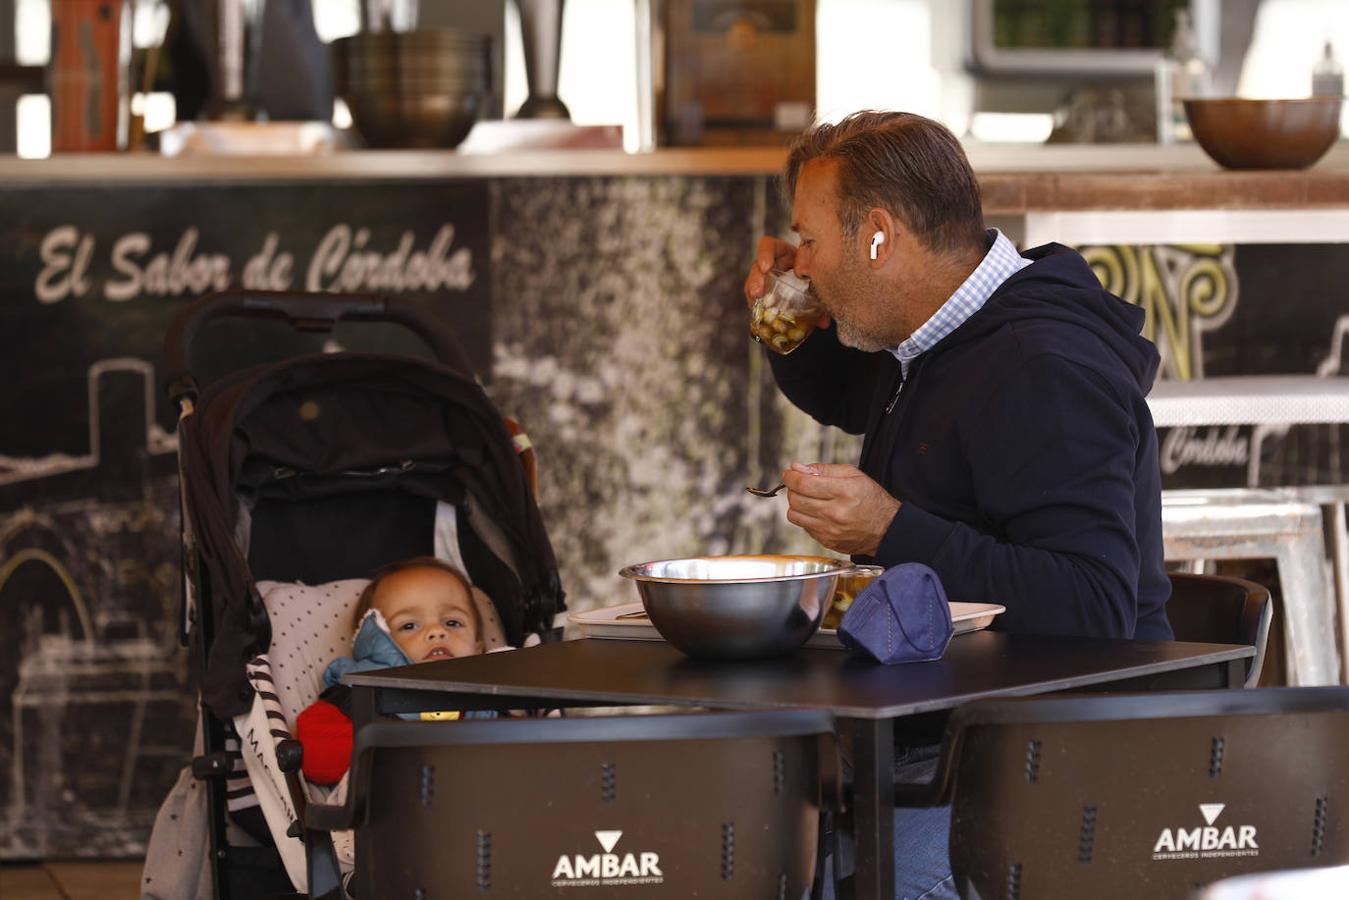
(71, 881)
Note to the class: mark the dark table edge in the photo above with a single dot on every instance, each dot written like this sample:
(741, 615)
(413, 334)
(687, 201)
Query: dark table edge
(378, 680)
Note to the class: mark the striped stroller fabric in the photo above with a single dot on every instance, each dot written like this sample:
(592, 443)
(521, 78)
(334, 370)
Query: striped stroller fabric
(259, 672)
(263, 728)
(239, 794)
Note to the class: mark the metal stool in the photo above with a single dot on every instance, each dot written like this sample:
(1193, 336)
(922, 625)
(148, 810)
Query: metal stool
(1332, 499)
(1261, 524)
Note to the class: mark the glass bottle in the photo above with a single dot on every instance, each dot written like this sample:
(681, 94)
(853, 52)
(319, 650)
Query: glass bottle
(1183, 73)
(1328, 75)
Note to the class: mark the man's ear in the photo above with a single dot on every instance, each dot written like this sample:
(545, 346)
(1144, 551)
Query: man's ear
(878, 232)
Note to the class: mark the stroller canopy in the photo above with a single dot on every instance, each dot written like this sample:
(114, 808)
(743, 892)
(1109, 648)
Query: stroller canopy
(324, 440)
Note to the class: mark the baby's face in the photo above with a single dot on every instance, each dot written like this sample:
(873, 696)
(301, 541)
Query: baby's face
(430, 614)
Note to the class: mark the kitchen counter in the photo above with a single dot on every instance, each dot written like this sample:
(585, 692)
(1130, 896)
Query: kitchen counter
(1015, 180)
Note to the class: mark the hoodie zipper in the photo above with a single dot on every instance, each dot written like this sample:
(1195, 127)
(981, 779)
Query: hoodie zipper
(899, 388)
(887, 432)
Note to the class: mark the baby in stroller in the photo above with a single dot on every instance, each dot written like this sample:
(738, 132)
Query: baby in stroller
(413, 611)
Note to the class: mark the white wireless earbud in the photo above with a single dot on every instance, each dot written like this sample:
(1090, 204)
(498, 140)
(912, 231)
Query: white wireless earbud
(876, 240)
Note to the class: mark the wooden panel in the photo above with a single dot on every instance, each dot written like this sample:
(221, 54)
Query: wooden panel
(96, 880)
(28, 882)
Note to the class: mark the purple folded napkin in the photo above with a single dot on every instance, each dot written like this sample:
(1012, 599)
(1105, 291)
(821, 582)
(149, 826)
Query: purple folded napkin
(900, 617)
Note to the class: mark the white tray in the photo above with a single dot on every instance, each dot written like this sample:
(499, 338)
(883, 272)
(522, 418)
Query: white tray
(605, 623)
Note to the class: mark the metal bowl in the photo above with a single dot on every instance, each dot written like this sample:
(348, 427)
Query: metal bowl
(423, 121)
(422, 89)
(737, 607)
(1265, 134)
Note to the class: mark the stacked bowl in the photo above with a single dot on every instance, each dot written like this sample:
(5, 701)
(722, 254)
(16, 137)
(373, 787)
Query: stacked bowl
(421, 89)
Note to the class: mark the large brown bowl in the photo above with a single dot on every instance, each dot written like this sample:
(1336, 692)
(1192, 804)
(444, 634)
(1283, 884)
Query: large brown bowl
(1265, 134)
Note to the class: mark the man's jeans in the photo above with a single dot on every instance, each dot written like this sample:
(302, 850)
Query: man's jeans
(922, 859)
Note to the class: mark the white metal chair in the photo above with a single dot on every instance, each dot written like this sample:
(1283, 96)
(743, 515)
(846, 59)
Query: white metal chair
(1259, 524)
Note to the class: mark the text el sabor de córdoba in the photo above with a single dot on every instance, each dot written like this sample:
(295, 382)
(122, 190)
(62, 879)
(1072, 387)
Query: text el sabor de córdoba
(344, 260)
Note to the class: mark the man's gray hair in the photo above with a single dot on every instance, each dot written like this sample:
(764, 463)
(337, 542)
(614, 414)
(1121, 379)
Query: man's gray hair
(902, 162)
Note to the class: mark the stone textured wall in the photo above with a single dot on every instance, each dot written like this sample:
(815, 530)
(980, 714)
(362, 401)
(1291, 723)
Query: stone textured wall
(620, 340)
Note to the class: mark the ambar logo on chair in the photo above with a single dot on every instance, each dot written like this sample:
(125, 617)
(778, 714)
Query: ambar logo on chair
(607, 868)
(1208, 841)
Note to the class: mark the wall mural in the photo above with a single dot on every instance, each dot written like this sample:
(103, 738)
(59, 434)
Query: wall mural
(88, 575)
(1296, 326)
(97, 701)
(1185, 291)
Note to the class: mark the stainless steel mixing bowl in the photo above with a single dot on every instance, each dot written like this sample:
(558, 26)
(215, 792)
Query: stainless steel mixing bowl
(737, 607)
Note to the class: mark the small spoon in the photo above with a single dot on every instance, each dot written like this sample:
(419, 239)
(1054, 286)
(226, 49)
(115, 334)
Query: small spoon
(760, 492)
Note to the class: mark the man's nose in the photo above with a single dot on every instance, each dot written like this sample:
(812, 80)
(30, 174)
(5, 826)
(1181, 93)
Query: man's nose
(801, 266)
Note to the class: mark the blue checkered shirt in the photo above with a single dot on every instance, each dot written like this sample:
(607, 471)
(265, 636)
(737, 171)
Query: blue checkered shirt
(1000, 263)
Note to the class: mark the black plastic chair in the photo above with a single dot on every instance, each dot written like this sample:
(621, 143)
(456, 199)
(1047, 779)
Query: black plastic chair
(708, 805)
(1141, 795)
(1217, 609)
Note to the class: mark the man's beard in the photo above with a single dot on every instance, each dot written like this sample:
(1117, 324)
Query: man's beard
(849, 334)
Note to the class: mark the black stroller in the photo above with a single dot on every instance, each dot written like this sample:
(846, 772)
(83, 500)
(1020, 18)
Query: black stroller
(320, 468)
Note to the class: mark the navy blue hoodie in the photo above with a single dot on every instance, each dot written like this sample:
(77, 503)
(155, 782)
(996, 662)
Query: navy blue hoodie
(1022, 450)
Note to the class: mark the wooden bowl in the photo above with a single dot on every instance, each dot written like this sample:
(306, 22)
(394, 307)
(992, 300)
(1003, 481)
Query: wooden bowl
(1265, 134)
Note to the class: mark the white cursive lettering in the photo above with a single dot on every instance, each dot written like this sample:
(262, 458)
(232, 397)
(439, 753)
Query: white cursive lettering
(345, 260)
(127, 247)
(63, 273)
(267, 270)
(1184, 447)
(343, 264)
(165, 275)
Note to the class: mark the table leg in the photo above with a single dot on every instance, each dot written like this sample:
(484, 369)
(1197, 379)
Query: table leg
(1339, 555)
(1308, 610)
(874, 807)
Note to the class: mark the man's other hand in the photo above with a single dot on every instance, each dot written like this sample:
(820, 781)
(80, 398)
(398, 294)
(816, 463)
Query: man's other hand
(839, 506)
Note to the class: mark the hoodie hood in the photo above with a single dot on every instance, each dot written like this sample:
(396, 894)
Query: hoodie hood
(1059, 286)
(374, 648)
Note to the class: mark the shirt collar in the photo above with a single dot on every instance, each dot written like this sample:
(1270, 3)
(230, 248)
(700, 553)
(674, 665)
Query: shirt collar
(1001, 262)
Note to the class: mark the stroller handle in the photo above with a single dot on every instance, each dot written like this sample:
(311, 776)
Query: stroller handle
(305, 312)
